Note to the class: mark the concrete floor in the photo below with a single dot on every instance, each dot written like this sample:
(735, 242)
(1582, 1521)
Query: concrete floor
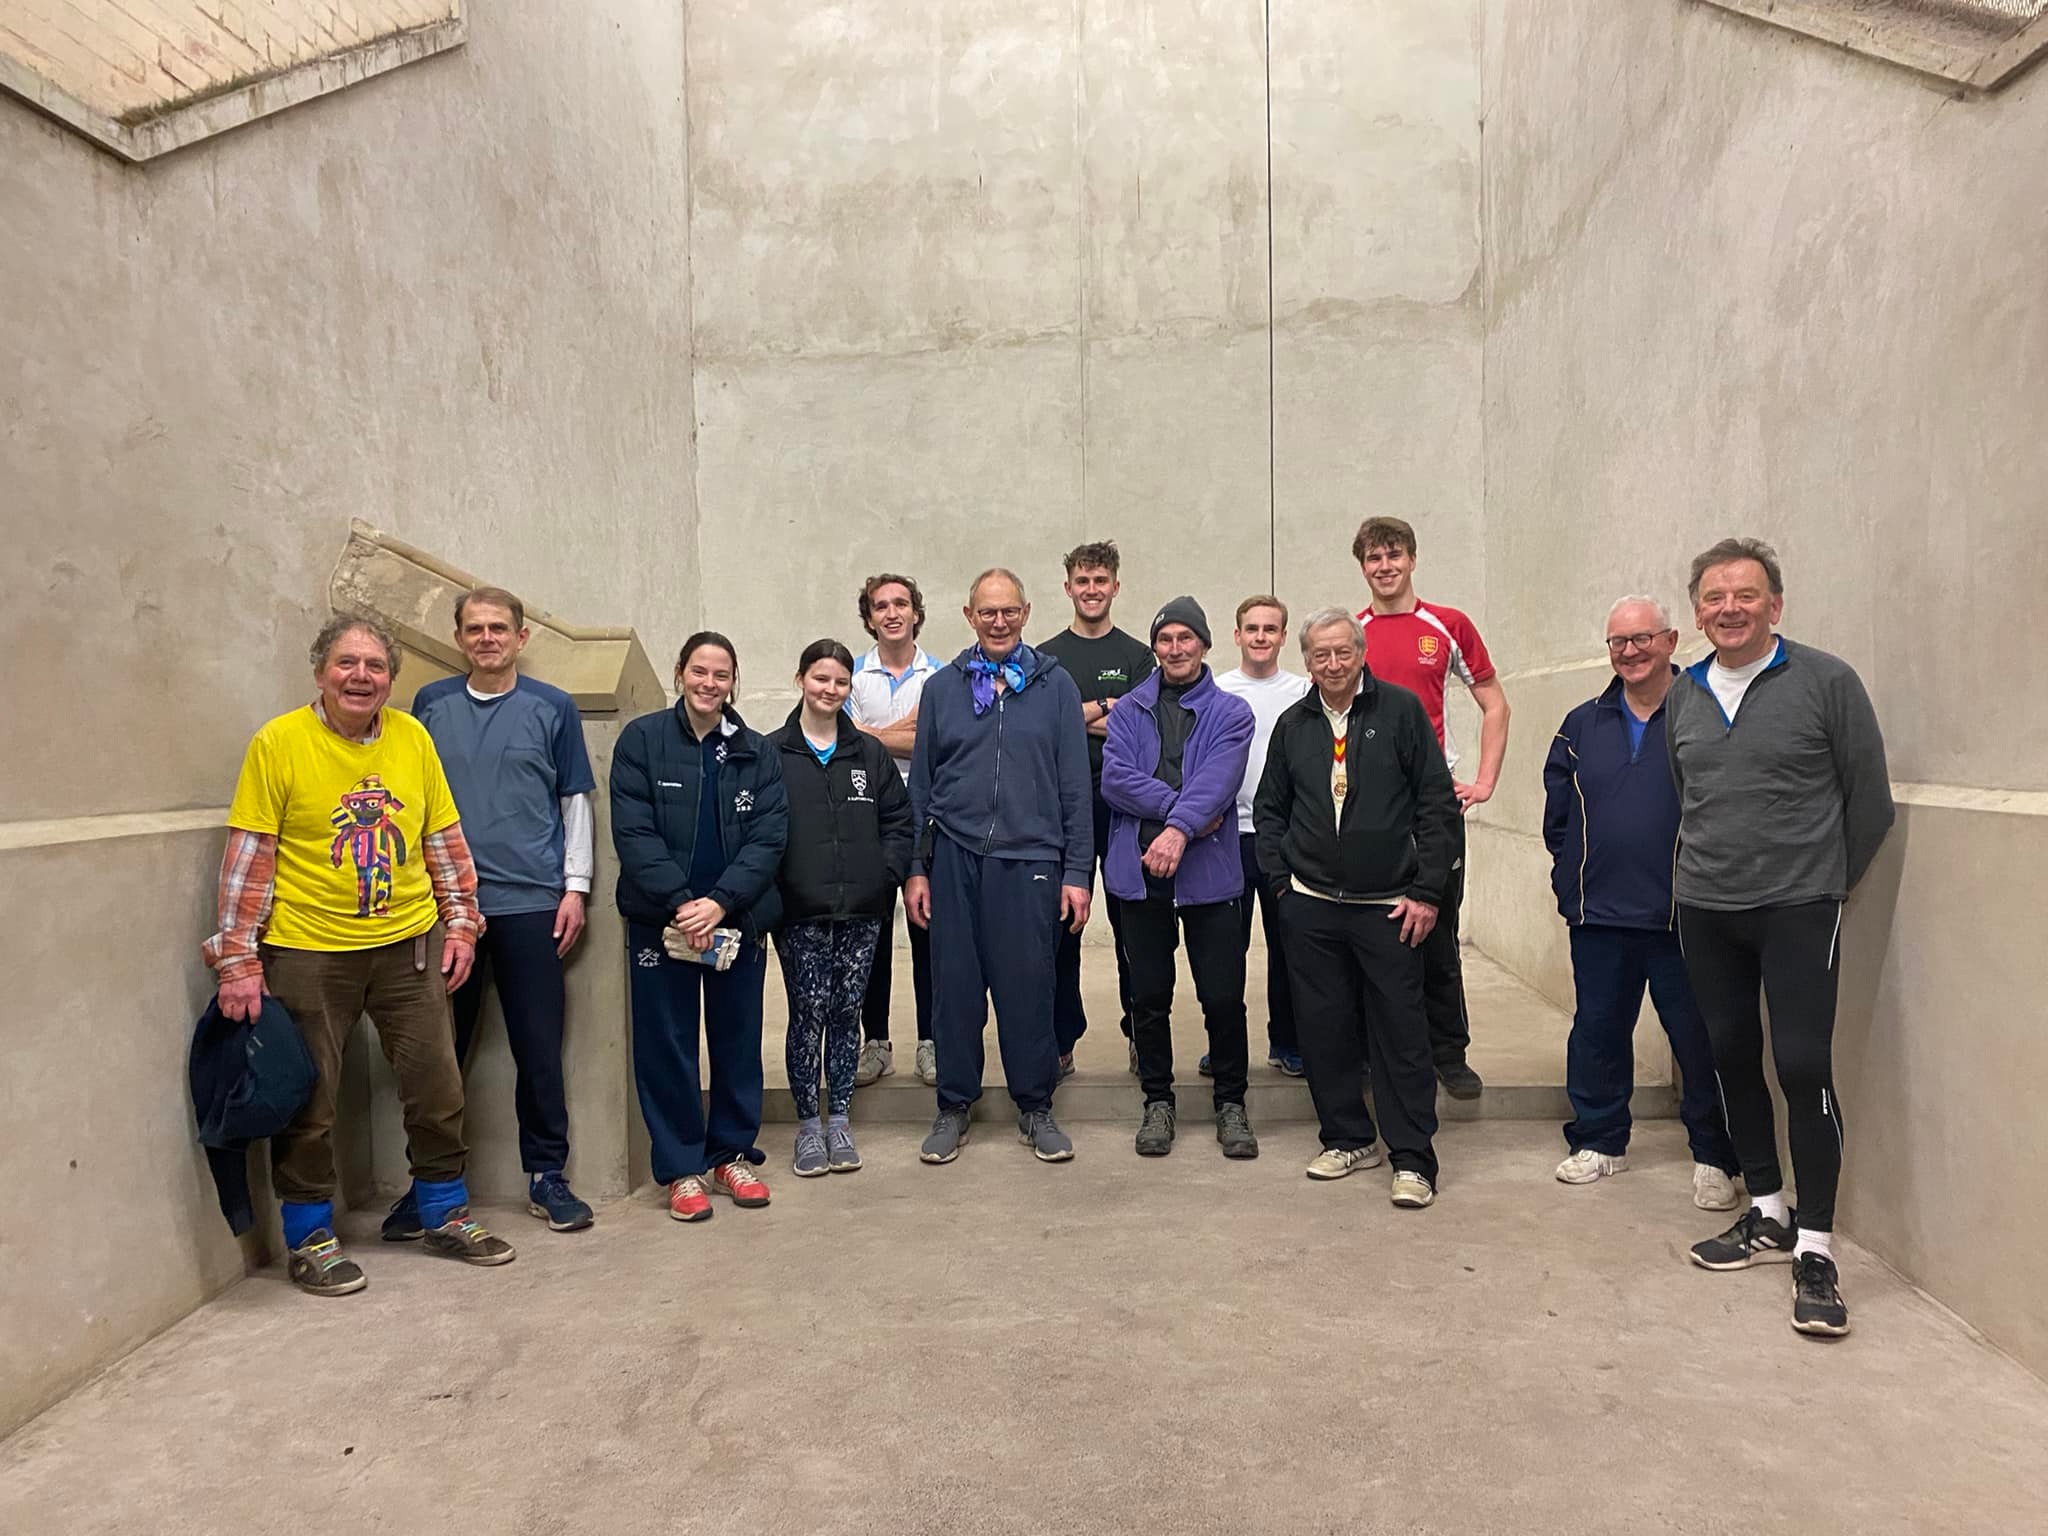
(1107, 1346)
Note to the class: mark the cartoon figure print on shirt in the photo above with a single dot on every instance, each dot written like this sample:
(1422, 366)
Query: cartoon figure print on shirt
(365, 830)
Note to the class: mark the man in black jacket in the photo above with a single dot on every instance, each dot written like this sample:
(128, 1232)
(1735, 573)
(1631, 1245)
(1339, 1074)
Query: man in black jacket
(1357, 825)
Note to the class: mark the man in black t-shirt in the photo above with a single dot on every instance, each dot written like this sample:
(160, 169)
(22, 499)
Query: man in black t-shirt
(1105, 664)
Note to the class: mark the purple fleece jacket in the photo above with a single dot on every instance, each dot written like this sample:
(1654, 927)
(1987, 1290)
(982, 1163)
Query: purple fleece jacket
(1212, 766)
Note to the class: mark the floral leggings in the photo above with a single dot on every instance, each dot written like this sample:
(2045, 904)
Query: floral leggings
(825, 971)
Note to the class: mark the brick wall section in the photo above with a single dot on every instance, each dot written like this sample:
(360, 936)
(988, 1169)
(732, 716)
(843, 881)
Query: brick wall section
(129, 58)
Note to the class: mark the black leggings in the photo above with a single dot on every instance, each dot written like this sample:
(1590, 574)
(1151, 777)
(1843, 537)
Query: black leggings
(1793, 955)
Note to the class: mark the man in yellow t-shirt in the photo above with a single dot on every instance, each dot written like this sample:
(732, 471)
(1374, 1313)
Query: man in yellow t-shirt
(347, 888)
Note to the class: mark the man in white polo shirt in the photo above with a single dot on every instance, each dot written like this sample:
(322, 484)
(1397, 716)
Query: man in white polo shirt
(887, 683)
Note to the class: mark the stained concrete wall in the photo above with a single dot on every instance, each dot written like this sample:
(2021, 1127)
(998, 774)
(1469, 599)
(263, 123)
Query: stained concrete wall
(1738, 281)
(454, 300)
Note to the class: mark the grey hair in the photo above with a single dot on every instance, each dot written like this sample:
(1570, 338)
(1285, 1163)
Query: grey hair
(342, 624)
(974, 587)
(1663, 613)
(1328, 618)
(1736, 549)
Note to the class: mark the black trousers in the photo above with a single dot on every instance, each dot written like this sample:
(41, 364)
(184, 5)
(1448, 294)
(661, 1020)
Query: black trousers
(1443, 973)
(1792, 956)
(874, 1003)
(1279, 995)
(517, 951)
(1152, 930)
(1358, 1005)
(1069, 1017)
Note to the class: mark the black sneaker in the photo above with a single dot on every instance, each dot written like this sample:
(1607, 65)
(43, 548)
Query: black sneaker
(1155, 1133)
(1459, 1080)
(1754, 1239)
(403, 1224)
(1817, 1297)
(549, 1197)
(1234, 1131)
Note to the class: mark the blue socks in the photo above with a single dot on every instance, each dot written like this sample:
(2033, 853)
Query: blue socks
(302, 1218)
(437, 1198)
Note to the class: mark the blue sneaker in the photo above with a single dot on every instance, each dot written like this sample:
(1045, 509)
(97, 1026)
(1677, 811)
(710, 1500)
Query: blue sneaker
(549, 1197)
(1288, 1062)
(1203, 1066)
(403, 1224)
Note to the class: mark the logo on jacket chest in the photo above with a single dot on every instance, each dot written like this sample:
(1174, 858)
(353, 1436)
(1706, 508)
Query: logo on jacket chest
(743, 801)
(860, 784)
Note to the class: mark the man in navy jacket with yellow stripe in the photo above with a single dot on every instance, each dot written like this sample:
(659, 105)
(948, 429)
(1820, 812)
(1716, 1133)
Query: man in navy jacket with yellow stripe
(1610, 820)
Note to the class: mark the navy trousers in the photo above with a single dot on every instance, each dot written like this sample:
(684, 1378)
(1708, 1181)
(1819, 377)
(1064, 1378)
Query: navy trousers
(517, 951)
(1609, 969)
(1069, 1015)
(995, 929)
(672, 1001)
(1280, 1036)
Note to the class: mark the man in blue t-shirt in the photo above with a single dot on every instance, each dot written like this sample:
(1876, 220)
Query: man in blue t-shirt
(514, 754)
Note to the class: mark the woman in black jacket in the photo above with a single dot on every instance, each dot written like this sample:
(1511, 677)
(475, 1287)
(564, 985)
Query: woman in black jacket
(849, 848)
(699, 821)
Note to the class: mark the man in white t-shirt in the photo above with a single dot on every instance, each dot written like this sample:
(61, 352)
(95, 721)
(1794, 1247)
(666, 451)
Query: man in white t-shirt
(887, 684)
(1269, 688)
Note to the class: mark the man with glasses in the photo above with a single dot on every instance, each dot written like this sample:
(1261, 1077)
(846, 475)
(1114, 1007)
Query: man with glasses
(1610, 820)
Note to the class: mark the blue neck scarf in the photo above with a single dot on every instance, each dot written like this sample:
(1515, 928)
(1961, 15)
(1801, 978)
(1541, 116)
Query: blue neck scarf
(982, 674)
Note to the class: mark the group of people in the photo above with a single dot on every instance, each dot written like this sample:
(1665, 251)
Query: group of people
(393, 863)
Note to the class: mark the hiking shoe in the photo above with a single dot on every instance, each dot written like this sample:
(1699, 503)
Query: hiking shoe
(927, 1063)
(1203, 1066)
(1066, 1064)
(463, 1237)
(877, 1060)
(949, 1135)
(845, 1157)
(1411, 1191)
(549, 1197)
(319, 1267)
(403, 1224)
(1817, 1297)
(1234, 1131)
(1712, 1189)
(1288, 1062)
(1754, 1239)
(1459, 1080)
(1585, 1166)
(810, 1161)
(738, 1181)
(1039, 1131)
(688, 1200)
(1155, 1131)
(1335, 1162)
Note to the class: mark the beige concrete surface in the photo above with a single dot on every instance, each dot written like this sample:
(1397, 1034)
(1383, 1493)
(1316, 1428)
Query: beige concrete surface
(998, 1345)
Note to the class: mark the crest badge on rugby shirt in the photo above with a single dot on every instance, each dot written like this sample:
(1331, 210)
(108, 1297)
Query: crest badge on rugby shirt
(1426, 647)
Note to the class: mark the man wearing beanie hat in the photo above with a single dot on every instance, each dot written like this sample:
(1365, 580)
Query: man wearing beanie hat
(1171, 767)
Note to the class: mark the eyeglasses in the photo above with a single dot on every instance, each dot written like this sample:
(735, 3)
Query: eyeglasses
(1619, 643)
(1006, 615)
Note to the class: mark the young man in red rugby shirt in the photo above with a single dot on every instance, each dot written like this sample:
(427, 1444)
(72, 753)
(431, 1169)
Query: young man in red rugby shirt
(1422, 646)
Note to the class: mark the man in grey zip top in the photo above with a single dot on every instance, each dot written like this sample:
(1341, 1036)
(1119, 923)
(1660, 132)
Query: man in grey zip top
(1783, 802)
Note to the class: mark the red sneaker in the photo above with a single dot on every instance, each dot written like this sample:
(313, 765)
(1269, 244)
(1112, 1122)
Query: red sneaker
(739, 1180)
(687, 1200)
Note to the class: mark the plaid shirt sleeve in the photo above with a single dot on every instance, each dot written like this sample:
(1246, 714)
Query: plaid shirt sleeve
(248, 886)
(453, 872)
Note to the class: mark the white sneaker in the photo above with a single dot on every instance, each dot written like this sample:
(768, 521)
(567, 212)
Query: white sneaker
(927, 1064)
(1586, 1165)
(1411, 1191)
(1712, 1190)
(877, 1060)
(1335, 1162)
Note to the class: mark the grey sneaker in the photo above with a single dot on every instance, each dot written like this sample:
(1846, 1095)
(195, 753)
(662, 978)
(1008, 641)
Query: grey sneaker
(839, 1145)
(877, 1061)
(949, 1135)
(463, 1237)
(1040, 1132)
(1234, 1131)
(810, 1161)
(1155, 1133)
(319, 1267)
(927, 1064)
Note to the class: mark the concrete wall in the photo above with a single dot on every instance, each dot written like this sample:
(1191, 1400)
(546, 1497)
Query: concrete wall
(1740, 281)
(454, 300)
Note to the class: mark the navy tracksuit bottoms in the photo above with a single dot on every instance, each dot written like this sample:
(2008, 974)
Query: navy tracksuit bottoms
(995, 930)
(672, 1001)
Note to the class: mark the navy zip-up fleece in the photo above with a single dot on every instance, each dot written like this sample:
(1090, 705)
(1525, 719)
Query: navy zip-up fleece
(1012, 783)
(1610, 817)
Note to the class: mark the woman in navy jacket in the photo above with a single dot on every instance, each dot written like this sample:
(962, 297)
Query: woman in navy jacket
(699, 821)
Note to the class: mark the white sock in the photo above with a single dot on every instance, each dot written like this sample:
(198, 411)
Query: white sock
(1773, 1206)
(1822, 1243)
